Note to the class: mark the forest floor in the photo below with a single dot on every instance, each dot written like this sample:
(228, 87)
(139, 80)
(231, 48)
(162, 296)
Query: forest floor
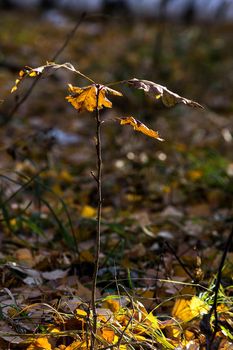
(167, 206)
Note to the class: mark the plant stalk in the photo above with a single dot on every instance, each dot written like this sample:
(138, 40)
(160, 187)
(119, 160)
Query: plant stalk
(98, 227)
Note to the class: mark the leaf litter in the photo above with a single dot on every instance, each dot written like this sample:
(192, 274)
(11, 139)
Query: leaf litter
(54, 313)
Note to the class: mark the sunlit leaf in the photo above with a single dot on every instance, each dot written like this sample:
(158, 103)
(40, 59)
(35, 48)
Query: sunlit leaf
(112, 304)
(78, 345)
(181, 310)
(88, 212)
(139, 337)
(198, 307)
(34, 72)
(108, 334)
(123, 347)
(28, 71)
(80, 313)
(86, 98)
(157, 91)
(185, 310)
(41, 343)
(138, 126)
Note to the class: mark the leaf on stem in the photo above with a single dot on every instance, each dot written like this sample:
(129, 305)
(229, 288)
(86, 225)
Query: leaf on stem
(86, 98)
(168, 97)
(139, 126)
(34, 72)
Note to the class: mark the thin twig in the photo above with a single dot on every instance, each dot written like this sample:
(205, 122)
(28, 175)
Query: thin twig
(69, 37)
(180, 261)
(94, 177)
(56, 55)
(211, 335)
(98, 229)
(130, 318)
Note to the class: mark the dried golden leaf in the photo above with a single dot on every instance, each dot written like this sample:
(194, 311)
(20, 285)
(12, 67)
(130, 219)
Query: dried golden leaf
(86, 98)
(83, 99)
(88, 212)
(31, 72)
(185, 310)
(112, 305)
(41, 343)
(168, 97)
(22, 74)
(81, 314)
(198, 307)
(108, 334)
(78, 345)
(138, 126)
(34, 72)
(181, 310)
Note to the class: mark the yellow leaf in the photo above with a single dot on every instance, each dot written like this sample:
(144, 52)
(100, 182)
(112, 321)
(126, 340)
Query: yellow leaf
(103, 101)
(78, 345)
(222, 308)
(88, 212)
(108, 334)
(41, 343)
(26, 71)
(34, 72)
(112, 304)
(138, 126)
(198, 307)
(83, 99)
(185, 310)
(80, 313)
(123, 347)
(194, 175)
(139, 337)
(65, 176)
(181, 310)
(86, 98)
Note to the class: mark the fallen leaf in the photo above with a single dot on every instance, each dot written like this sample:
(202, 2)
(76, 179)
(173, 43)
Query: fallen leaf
(8, 334)
(181, 310)
(168, 97)
(185, 310)
(78, 345)
(24, 257)
(112, 304)
(41, 343)
(138, 126)
(108, 334)
(54, 275)
(88, 212)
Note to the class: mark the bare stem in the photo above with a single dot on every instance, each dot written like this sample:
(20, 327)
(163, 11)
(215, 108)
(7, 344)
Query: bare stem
(55, 56)
(98, 229)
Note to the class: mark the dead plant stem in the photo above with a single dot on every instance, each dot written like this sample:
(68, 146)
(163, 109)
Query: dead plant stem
(98, 228)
